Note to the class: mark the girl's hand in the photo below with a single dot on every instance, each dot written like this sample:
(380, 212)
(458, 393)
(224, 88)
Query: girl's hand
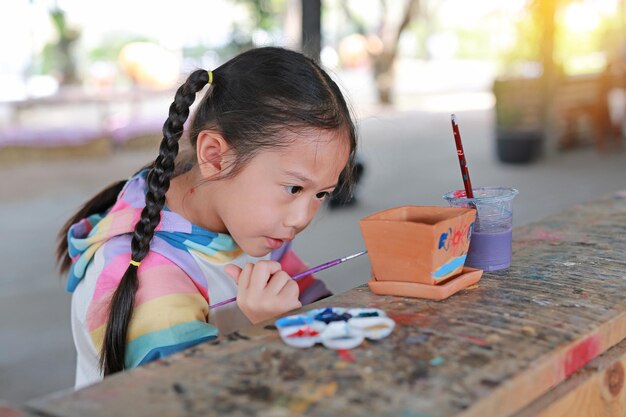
(264, 290)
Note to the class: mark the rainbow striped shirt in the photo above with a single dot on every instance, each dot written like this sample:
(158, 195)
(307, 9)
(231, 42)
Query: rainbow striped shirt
(179, 280)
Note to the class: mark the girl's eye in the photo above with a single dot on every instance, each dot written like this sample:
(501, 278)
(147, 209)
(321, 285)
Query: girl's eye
(293, 189)
(322, 195)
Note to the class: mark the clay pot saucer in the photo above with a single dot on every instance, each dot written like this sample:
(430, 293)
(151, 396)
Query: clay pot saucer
(468, 276)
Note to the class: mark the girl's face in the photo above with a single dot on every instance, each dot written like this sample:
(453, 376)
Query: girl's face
(276, 195)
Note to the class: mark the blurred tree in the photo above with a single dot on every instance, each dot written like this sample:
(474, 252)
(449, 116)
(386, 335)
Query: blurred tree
(544, 13)
(427, 25)
(266, 13)
(384, 50)
(384, 42)
(62, 48)
(111, 45)
(554, 35)
(266, 18)
(524, 96)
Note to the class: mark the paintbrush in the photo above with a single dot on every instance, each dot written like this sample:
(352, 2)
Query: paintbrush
(462, 162)
(303, 274)
(326, 265)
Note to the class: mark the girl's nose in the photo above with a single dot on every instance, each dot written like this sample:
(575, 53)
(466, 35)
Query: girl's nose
(300, 214)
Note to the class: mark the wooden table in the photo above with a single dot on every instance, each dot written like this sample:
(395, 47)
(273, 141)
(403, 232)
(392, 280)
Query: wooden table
(493, 350)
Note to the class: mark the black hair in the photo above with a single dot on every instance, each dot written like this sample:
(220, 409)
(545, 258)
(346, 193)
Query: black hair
(251, 100)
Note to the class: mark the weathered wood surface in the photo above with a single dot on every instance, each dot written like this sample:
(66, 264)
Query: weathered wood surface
(487, 351)
(595, 390)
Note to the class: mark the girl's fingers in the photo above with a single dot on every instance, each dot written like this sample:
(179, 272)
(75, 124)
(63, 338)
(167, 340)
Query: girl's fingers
(278, 281)
(233, 271)
(289, 294)
(261, 274)
(245, 277)
(264, 290)
(291, 291)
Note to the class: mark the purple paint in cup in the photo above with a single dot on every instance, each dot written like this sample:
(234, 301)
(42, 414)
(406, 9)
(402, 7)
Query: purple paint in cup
(491, 242)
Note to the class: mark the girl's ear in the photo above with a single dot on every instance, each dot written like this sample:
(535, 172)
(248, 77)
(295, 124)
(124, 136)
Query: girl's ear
(210, 149)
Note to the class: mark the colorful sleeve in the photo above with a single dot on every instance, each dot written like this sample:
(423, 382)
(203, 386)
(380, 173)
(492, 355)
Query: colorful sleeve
(311, 288)
(170, 314)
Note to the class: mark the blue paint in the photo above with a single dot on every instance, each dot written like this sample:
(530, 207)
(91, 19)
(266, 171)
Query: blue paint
(369, 314)
(447, 268)
(442, 240)
(470, 230)
(328, 315)
(437, 361)
(293, 321)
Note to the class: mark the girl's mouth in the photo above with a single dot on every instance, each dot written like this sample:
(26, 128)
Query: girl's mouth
(274, 243)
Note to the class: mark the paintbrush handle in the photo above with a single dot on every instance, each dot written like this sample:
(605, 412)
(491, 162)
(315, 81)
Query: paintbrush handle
(318, 268)
(303, 274)
(462, 162)
(326, 265)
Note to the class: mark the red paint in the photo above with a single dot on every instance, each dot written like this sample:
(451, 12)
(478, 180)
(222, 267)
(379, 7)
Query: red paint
(305, 332)
(476, 340)
(346, 355)
(452, 239)
(456, 237)
(580, 355)
(545, 235)
(408, 319)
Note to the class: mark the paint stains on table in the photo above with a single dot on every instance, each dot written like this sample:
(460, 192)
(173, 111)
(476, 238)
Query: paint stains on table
(580, 354)
(346, 355)
(437, 361)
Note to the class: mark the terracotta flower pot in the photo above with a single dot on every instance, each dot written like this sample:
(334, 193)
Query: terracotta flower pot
(419, 244)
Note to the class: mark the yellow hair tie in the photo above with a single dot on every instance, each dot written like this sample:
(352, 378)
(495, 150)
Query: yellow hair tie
(210, 77)
(135, 263)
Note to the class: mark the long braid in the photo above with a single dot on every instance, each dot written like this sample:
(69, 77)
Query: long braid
(113, 351)
(98, 204)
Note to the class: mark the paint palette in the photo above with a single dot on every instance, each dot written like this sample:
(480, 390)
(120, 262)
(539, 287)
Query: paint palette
(334, 327)
(373, 328)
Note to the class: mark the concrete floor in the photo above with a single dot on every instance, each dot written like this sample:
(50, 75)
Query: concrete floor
(410, 159)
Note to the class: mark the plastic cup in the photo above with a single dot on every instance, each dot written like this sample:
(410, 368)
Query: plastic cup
(491, 242)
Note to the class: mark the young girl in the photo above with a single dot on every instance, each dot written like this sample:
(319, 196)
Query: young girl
(152, 260)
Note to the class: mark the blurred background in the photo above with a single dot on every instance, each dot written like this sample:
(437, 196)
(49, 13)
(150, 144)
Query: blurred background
(538, 87)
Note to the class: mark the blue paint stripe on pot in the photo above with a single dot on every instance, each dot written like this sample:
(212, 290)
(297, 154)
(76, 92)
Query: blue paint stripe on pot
(449, 267)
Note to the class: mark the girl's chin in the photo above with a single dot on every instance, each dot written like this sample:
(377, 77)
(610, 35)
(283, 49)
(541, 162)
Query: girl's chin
(257, 251)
